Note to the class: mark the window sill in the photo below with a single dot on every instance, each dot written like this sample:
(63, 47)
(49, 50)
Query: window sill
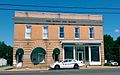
(91, 38)
(61, 38)
(45, 38)
(76, 38)
(27, 38)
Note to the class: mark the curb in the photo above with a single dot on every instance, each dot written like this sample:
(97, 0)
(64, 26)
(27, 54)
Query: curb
(101, 67)
(11, 69)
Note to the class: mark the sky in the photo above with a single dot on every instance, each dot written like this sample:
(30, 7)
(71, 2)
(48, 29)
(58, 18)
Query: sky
(111, 22)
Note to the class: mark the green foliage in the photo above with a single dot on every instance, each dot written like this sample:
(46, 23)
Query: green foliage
(6, 52)
(112, 48)
(107, 64)
(117, 49)
(108, 45)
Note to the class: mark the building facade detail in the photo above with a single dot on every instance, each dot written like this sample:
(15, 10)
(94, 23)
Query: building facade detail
(44, 38)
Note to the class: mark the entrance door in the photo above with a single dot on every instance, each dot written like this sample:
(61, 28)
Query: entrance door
(80, 56)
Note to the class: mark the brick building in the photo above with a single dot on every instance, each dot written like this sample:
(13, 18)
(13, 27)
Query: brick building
(42, 38)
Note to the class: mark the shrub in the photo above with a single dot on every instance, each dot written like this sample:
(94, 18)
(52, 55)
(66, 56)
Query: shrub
(107, 64)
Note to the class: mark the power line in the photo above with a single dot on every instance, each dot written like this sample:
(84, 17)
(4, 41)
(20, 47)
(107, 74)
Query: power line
(78, 7)
(60, 11)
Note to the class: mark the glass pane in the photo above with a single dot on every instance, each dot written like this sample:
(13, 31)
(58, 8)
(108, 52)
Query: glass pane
(79, 49)
(95, 53)
(61, 29)
(61, 35)
(80, 56)
(45, 29)
(61, 32)
(28, 32)
(41, 57)
(76, 30)
(91, 35)
(76, 35)
(91, 32)
(68, 52)
(28, 29)
(45, 32)
(87, 53)
(34, 58)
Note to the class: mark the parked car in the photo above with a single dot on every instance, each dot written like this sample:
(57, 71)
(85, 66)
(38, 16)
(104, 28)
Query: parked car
(67, 63)
(113, 63)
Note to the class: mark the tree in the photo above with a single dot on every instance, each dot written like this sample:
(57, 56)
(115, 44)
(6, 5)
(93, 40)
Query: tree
(6, 52)
(117, 49)
(108, 47)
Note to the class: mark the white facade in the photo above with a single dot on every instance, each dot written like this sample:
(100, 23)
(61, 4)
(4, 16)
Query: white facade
(88, 52)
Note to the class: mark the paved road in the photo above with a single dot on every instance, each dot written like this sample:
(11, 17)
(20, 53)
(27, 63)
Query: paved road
(68, 72)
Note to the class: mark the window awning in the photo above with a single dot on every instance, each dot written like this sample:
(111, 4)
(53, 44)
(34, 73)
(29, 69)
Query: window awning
(19, 51)
(56, 51)
(38, 50)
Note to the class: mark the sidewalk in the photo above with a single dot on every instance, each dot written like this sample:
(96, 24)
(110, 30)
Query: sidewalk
(6, 68)
(99, 67)
(42, 70)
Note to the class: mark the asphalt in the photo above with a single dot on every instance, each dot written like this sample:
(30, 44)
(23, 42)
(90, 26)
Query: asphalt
(10, 68)
(105, 71)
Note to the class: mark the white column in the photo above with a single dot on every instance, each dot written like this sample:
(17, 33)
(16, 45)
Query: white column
(89, 54)
(100, 54)
(74, 51)
(63, 53)
(84, 55)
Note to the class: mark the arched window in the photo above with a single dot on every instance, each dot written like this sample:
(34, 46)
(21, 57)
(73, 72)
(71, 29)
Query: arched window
(38, 55)
(19, 55)
(55, 54)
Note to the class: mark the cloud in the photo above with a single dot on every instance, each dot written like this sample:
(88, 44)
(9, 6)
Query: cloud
(117, 30)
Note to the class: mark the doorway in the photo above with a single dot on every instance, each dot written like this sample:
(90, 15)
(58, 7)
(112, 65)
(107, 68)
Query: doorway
(80, 56)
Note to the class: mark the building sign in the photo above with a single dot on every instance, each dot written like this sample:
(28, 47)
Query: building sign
(56, 21)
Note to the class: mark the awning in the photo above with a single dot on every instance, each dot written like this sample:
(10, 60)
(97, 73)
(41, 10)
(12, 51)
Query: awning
(38, 50)
(56, 51)
(19, 51)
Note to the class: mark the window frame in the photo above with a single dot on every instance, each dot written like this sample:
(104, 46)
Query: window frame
(77, 32)
(44, 33)
(91, 33)
(28, 32)
(92, 57)
(59, 33)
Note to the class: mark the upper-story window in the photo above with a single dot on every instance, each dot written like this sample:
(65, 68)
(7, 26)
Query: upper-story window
(45, 32)
(61, 32)
(28, 31)
(76, 32)
(91, 31)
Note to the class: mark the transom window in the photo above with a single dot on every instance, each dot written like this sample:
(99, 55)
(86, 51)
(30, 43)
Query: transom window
(28, 31)
(61, 32)
(76, 32)
(45, 32)
(91, 31)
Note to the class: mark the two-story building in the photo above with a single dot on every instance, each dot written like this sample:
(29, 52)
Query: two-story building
(42, 38)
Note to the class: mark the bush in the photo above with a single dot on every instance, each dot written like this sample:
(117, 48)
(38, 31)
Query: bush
(107, 64)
